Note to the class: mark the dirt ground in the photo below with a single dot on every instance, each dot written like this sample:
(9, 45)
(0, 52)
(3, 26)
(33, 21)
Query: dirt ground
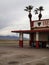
(23, 56)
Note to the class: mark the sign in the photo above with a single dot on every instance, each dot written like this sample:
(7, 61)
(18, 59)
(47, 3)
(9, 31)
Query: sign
(46, 23)
(42, 23)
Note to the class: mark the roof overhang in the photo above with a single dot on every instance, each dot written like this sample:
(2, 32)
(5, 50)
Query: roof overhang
(29, 31)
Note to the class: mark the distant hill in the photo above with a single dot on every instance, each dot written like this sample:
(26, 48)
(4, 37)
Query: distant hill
(11, 38)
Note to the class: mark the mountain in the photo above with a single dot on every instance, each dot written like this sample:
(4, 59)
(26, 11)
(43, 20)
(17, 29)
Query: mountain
(11, 38)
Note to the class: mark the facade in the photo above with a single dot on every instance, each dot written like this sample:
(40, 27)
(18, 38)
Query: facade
(39, 34)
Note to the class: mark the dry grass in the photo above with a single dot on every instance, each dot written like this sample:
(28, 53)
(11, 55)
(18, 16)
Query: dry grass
(9, 41)
(12, 42)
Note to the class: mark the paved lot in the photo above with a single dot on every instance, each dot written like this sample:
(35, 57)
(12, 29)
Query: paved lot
(23, 56)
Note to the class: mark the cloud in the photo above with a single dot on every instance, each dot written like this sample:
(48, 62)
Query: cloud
(19, 26)
(12, 13)
(10, 10)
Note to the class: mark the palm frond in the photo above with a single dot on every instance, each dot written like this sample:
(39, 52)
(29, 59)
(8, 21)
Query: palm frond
(26, 9)
(41, 8)
(36, 12)
(30, 7)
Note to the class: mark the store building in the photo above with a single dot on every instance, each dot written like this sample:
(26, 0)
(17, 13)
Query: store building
(39, 34)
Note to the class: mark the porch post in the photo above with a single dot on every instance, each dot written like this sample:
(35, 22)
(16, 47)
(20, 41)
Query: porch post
(37, 40)
(21, 40)
(31, 39)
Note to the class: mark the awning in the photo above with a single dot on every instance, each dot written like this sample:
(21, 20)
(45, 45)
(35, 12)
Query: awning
(29, 31)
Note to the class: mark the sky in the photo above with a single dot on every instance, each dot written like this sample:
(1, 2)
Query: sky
(13, 16)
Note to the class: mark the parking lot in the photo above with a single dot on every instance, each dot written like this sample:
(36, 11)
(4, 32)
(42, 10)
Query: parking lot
(23, 56)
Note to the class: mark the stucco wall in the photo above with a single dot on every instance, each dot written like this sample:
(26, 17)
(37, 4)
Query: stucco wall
(42, 36)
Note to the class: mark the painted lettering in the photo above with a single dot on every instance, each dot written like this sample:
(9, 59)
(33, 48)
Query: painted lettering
(46, 22)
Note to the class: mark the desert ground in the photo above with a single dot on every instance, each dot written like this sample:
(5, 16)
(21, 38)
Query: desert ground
(12, 54)
(13, 43)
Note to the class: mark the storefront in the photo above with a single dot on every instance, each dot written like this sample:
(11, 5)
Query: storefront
(39, 34)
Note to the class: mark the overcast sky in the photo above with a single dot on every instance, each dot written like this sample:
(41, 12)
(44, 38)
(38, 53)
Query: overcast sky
(13, 16)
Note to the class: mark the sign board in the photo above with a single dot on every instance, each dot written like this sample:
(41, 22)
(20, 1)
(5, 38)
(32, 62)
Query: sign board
(42, 23)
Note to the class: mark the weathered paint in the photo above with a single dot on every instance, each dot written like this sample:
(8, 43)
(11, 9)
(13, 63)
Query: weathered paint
(21, 40)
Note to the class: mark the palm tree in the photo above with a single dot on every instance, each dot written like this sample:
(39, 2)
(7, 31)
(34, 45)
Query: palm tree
(28, 9)
(40, 9)
(36, 11)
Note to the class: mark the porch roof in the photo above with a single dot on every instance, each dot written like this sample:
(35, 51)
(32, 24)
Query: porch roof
(29, 31)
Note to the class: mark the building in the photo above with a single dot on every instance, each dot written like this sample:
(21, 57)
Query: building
(39, 33)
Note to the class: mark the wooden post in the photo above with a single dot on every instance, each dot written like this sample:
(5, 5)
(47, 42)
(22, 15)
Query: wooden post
(31, 39)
